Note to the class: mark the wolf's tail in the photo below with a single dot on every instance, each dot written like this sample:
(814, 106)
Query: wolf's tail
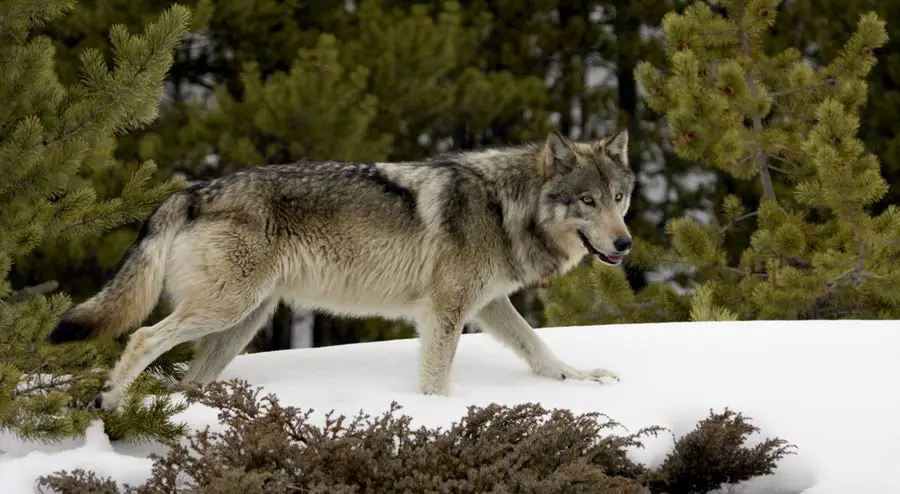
(129, 297)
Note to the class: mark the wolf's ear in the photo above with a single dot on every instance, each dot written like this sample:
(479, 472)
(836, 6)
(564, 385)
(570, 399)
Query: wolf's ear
(616, 146)
(560, 154)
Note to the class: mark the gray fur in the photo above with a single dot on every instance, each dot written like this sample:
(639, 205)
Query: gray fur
(439, 242)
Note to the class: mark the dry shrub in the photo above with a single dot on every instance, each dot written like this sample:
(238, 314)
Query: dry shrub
(270, 448)
(714, 454)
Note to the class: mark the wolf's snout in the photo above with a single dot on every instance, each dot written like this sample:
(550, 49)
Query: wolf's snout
(623, 244)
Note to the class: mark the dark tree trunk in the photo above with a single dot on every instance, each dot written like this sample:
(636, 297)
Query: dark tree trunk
(329, 330)
(626, 27)
(277, 335)
(282, 328)
(567, 91)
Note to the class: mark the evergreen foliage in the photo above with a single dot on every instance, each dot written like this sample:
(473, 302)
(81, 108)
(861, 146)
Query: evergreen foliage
(81, 266)
(411, 74)
(53, 138)
(817, 28)
(269, 447)
(807, 246)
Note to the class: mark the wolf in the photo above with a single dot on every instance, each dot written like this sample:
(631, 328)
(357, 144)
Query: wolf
(439, 242)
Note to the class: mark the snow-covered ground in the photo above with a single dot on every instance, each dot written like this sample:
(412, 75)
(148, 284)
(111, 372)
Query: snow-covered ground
(830, 387)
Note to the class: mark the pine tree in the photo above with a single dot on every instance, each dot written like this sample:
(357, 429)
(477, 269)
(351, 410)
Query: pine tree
(811, 248)
(818, 27)
(52, 138)
(81, 266)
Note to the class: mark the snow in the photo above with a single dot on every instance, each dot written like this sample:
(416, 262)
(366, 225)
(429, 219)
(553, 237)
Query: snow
(830, 387)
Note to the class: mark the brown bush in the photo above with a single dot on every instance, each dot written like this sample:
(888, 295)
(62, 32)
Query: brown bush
(713, 454)
(270, 448)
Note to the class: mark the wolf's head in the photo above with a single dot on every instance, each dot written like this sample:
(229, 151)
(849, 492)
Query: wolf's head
(586, 193)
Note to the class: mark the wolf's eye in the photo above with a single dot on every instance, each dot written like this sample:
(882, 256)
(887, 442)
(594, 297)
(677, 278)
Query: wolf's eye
(619, 197)
(588, 200)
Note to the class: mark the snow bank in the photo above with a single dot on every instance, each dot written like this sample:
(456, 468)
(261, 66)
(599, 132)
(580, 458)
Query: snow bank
(829, 387)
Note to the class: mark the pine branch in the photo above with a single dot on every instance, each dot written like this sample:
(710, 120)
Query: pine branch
(742, 273)
(790, 149)
(856, 273)
(831, 81)
(798, 263)
(720, 32)
(737, 220)
(837, 279)
(81, 225)
(637, 306)
(42, 385)
(783, 160)
(99, 112)
(743, 160)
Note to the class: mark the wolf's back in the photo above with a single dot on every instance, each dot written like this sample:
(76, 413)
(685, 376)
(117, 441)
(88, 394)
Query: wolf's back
(129, 297)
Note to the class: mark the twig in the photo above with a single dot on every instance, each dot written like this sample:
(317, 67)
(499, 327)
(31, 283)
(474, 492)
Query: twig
(42, 385)
(734, 270)
(745, 217)
(738, 272)
(834, 281)
(858, 276)
(31, 291)
(743, 160)
(860, 256)
(788, 148)
(783, 160)
(735, 221)
(798, 263)
(719, 32)
(828, 82)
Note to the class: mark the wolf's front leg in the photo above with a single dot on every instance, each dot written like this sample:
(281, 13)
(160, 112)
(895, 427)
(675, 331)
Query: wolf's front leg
(501, 320)
(440, 330)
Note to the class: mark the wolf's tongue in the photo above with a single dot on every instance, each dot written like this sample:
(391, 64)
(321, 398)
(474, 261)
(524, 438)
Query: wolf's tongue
(614, 258)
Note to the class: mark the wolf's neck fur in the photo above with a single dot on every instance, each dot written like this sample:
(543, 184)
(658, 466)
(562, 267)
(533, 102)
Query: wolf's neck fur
(517, 163)
(517, 175)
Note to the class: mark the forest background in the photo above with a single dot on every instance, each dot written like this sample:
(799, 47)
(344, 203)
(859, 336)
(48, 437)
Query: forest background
(268, 81)
(763, 135)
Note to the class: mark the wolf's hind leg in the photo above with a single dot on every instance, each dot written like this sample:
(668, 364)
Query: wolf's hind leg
(215, 351)
(501, 320)
(191, 319)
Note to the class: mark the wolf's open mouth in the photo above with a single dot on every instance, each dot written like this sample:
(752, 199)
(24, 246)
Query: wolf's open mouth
(611, 260)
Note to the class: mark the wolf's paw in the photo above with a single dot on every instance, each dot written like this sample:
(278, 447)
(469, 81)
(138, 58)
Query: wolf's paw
(434, 387)
(562, 372)
(106, 400)
(598, 375)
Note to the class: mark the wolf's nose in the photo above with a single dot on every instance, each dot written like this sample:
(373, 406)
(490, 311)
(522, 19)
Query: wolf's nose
(623, 243)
